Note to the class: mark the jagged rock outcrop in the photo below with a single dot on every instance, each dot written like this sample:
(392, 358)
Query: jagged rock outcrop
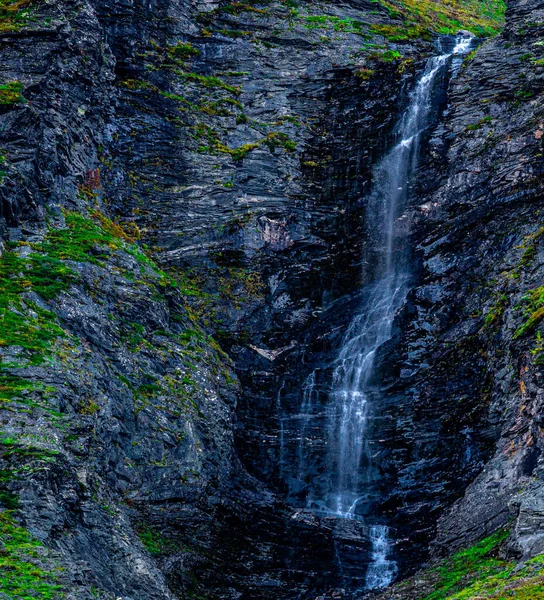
(468, 401)
(482, 255)
(176, 170)
(118, 409)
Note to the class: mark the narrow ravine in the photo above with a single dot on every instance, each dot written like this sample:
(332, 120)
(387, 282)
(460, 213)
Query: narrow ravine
(386, 265)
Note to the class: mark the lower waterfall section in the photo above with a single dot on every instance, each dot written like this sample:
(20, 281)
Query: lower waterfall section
(345, 488)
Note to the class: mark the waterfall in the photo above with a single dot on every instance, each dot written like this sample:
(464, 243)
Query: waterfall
(387, 268)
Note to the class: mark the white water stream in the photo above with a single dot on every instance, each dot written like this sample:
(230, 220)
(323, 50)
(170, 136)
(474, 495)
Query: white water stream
(349, 457)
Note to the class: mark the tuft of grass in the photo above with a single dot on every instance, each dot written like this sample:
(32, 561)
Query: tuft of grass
(183, 50)
(11, 93)
(496, 311)
(14, 14)
(533, 310)
(22, 575)
(479, 124)
(154, 541)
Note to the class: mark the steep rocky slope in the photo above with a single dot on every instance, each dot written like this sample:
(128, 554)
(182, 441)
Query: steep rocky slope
(117, 405)
(473, 344)
(175, 173)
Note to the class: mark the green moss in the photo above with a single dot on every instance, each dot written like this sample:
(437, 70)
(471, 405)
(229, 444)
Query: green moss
(422, 18)
(14, 14)
(22, 575)
(209, 81)
(9, 500)
(82, 239)
(43, 268)
(44, 271)
(479, 573)
(479, 124)
(538, 349)
(272, 140)
(533, 304)
(11, 93)
(279, 140)
(237, 8)
(24, 323)
(387, 56)
(471, 563)
(496, 311)
(183, 50)
(364, 75)
(154, 541)
(233, 33)
(88, 407)
(400, 33)
(338, 24)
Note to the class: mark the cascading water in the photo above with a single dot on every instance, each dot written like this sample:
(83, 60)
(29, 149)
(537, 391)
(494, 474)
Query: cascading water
(387, 268)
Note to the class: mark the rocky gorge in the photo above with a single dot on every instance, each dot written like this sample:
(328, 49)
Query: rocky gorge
(187, 234)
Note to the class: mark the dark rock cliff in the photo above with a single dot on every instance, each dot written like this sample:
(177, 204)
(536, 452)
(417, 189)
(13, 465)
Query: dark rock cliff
(482, 271)
(468, 402)
(175, 173)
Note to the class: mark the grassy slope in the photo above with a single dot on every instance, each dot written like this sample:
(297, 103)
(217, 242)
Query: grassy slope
(421, 18)
(477, 573)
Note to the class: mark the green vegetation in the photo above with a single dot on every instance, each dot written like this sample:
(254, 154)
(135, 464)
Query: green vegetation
(212, 108)
(479, 124)
(43, 268)
(237, 8)
(154, 541)
(344, 25)
(272, 140)
(363, 74)
(22, 575)
(240, 283)
(533, 302)
(538, 350)
(279, 140)
(469, 565)
(183, 50)
(387, 56)
(3, 159)
(496, 311)
(479, 573)
(14, 14)
(529, 245)
(11, 93)
(421, 18)
(23, 322)
(210, 81)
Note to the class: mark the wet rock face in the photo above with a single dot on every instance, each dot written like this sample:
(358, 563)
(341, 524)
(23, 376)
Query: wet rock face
(233, 149)
(247, 189)
(464, 410)
(254, 187)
